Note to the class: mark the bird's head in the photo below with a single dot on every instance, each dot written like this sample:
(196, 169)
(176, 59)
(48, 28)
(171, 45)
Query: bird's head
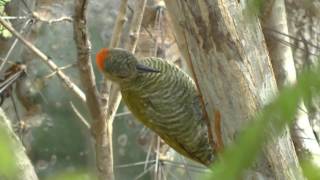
(120, 65)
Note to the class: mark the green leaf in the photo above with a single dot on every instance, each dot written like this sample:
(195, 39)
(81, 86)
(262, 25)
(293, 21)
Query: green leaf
(311, 171)
(73, 176)
(7, 161)
(4, 32)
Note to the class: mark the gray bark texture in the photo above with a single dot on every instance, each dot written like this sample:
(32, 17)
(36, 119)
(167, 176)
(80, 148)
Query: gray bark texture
(23, 166)
(275, 28)
(229, 60)
(304, 27)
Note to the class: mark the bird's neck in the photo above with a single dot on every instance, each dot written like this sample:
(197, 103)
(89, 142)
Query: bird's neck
(136, 83)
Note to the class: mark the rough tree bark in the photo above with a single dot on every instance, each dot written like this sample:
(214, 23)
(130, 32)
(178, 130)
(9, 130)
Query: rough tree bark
(24, 168)
(231, 66)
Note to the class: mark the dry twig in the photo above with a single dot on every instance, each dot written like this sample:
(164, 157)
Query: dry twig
(65, 79)
(38, 17)
(79, 115)
(121, 19)
(6, 58)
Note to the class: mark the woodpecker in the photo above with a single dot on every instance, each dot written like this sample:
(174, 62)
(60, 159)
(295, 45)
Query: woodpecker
(162, 97)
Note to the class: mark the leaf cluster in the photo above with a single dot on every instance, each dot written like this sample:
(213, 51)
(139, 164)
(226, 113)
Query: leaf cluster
(3, 31)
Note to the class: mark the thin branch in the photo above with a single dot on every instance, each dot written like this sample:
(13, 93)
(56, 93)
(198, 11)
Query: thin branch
(79, 115)
(156, 168)
(60, 68)
(121, 19)
(14, 45)
(7, 62)
(136, 25)
(123, 114)
(293, 45)
(172, 174)
(135, 164)
(149, 153)
(65, 79)
(186, 168)
(25, 4)
(13, 17)
(143, 173)
(271, 30)
(51, 21)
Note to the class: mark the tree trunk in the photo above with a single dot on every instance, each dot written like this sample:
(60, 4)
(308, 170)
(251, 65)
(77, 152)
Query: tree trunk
(275, 28)
(23, 167)
(231, 66)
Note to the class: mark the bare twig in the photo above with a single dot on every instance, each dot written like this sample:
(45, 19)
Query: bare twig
(149, 153)
(13, 17)
(186, 168)
(143, 173)
(60, 68)
(136, 25)
(156, 168)
(65, 79)
(25, 4)
(135, 164)
(121, 19)
(50, 21)
(272, 30)
(123, 114)
(13, 45)
(100, 129)
(79, 115)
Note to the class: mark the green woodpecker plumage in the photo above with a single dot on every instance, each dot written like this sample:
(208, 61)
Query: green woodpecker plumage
(163, 98)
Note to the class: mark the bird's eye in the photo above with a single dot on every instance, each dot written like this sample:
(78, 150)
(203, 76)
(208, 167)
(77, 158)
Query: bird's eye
(107, 65)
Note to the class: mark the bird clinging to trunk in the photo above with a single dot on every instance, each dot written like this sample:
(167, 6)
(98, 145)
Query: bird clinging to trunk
(163, 98)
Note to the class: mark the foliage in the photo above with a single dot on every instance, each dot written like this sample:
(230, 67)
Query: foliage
(273, 118)
(4, 32)
(73, 176)
(7, 165)
(311, 171)
(255, 6)
(4, 2)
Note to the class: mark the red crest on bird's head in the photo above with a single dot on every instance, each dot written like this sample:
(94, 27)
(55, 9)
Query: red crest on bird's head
(101, 56)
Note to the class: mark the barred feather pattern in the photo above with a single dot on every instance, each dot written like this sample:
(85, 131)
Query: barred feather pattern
(168, 103)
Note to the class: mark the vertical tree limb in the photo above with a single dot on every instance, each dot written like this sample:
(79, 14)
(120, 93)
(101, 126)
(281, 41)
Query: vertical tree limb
(121, 19)
(275, 20)
(101, 133)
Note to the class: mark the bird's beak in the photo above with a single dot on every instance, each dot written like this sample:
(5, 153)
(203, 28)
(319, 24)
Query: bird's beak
(145, 69)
